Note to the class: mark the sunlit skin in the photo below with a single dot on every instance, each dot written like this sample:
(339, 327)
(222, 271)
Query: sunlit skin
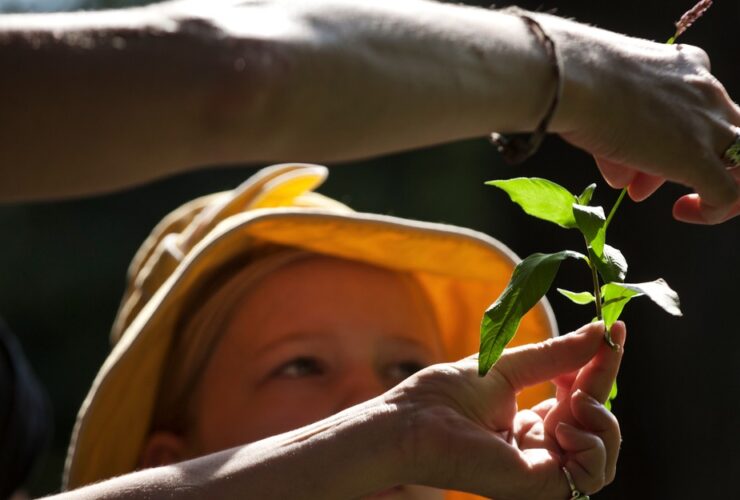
(310, 339)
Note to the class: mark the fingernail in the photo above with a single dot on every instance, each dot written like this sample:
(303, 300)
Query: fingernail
(587, 397)
(618, 333)
(562, 426)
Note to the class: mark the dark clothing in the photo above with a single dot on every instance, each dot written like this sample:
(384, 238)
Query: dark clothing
(25, 416)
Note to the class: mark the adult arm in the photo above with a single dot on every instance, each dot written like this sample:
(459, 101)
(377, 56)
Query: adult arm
(109, 99)
(444, 427)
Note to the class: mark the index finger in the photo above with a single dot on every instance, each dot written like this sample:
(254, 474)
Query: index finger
(531, 364)
(597, 377)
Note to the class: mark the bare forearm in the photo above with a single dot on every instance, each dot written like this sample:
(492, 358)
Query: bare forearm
(100, 101)
(357, 79)
(359, 446)
(95, 101)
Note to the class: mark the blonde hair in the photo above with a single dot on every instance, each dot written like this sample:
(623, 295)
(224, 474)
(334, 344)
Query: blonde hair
(200, 329)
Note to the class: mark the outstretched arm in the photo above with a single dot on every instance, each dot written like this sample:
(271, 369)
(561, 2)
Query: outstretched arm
(103, 100)
(443, 427)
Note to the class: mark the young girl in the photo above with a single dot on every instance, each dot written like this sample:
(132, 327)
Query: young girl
(254, 312)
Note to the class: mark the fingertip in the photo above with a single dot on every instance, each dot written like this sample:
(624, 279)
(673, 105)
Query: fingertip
(618, 333)
(616, 175)
(643, 186)
(686, 209)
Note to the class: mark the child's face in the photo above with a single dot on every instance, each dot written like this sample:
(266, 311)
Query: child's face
(311, 339)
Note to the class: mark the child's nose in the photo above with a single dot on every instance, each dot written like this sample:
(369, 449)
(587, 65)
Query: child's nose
(359, 385)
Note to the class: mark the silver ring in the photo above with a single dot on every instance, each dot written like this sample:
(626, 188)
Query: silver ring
(732, 153)
(574, 493)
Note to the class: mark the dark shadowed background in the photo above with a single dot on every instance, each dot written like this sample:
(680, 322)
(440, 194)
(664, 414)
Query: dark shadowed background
(62, 269)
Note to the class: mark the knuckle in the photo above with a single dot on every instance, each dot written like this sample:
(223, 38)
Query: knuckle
(608, 421)
(696, 55)
(707, 88)
(610, 476)
(595, 482)
(503, 372)
(614, 422)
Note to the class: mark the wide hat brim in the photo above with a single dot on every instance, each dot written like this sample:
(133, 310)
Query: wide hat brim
(462, 271)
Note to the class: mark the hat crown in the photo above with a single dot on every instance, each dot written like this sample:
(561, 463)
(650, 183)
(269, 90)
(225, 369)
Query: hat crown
(284, 185)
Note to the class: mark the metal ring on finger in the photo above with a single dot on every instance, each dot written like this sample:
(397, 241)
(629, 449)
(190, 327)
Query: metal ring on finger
(732, 153)
(574, 493)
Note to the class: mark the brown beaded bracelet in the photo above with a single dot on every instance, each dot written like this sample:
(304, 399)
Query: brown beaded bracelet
(515, 148)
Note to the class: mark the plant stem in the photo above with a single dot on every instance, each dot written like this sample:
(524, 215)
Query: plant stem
(595, 274)
(597, 296)
(597, 286)
(614, 208)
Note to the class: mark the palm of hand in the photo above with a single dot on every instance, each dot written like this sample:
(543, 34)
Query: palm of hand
(470, 438)
(468, 431)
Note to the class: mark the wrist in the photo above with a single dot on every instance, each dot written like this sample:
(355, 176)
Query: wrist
(348, 455)
(589, 67)
(419, 436)
(371, 433)
(516, 148)
(377, 434)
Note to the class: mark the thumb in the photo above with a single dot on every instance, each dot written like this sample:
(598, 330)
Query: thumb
(531, 364)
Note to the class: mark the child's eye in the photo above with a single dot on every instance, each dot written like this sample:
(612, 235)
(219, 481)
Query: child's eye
(404, 369)
(302, 366)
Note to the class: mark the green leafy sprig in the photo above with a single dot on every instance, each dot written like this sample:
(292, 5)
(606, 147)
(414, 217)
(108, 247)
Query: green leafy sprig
(533, 277)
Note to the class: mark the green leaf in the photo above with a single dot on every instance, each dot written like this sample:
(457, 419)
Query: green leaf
(585, 197)
(614, 297)
(599, 242)
(612, 396)
(611, 265)
(659, 292)
(540, 198)
(580, 298)
(590, 221)
(530, 280)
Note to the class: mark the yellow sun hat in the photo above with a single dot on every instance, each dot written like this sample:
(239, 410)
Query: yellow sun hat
(461, 270)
